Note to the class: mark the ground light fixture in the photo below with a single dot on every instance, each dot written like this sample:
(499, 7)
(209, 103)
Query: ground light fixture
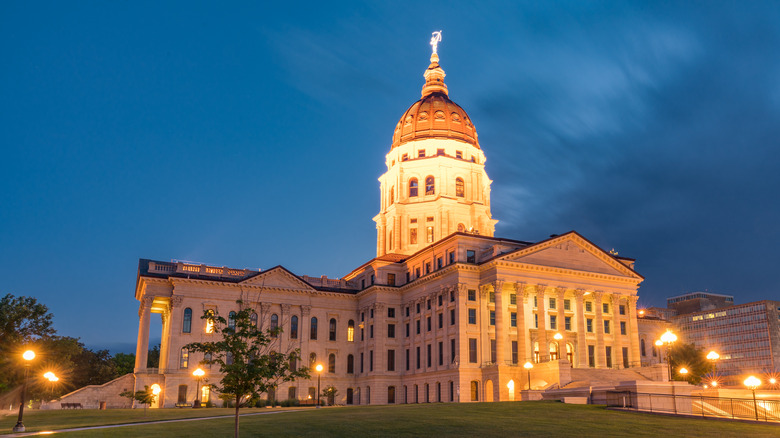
(753, 382)
(319, 374)
(528, 366)
(28, 356)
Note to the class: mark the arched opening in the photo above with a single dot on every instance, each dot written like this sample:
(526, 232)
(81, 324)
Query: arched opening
(331, 363)
(459, 187)
(489, 391)
(474, 390)
(406, 394)
(156, 389)
(350, 396)
(294, 327)
(253, 319)
(438, 392)
(642, 347)
(430, 185)
(413, 187)
(461, 228)
(536, 352)
(350, 364)
(351, 330)
(313, 331)
(390, 394)
(312, 360)
(416, 394)
(332, 330)
(553, 351)
(274, 324)
(392, 196)
(427, 393)
(510, 386)
(186, 326)
(232, 320)
(570, 353)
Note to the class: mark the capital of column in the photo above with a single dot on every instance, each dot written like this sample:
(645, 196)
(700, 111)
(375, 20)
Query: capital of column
(379, 307)
(519, 286)
(498, 285)
(598, 295)
(286, 308)
(485, 288)
(176, 301)
(540, 289)
(146, 304)
(305, 310)
(561, 291)
(265, 307)
(462, 288)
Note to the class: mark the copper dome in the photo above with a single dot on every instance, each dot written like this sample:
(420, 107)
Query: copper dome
(435, 115)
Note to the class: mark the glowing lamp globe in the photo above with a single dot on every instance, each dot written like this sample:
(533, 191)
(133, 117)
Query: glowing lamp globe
(198, 373)
(318, 368)
(558, 337)
(683, 371)
(668, 337)
(659, 343)
(752, 382)
(528, 365)
(156, 389)
(28, 355)
(772, 381)
(713, 355)
(49, 375)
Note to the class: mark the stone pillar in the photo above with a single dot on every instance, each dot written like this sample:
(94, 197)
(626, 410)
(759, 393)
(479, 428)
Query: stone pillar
(462, 340)
(501, 330)
(142, 347)
(484, 325)
(582, 343)
(617, 342)
(561, 322)
(380, 342)
(601, 354)
(633, 334)
(284, 323)
(304, 333)
(541, 332)
(522, 328)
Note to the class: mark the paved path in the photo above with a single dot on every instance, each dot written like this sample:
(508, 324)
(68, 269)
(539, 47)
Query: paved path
(109, 426)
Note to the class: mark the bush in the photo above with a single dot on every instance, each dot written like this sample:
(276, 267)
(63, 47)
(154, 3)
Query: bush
(209, 404)
(260, 403)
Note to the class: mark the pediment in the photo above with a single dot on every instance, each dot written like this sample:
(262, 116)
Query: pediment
(279, 278)
(571, 251)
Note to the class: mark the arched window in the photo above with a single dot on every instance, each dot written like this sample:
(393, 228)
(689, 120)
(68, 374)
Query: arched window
(461, 228)
(210, 321)
(294, 327)
(642, 347)
(350, 364)
(570, 353)
(313, 333)
(553, 351)
(351, 330)
(253, 319)
(474, 390)
(536, 352)
(392, 196)
(332, 329)
(391, 394)
(293, 364)
(274, 325)
(229, 358)
(184, 359)
(312, 360)
(232, 320)
(331, 363)
(459, 187)
(430, 186)
(186, 326)
(413, 187)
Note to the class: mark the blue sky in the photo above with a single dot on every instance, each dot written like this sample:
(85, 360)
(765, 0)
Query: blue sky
(252, 135)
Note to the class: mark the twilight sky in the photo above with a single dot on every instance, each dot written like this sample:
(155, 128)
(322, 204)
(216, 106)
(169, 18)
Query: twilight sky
(253, 135)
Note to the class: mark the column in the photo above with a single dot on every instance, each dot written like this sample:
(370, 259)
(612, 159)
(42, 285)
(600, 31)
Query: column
(304, 332)
(284, 323)
(501, 338)
(601, 354)
(522, 329)
(541, 332)
(484, 337)
(561, 322)
(633, 334)
(172, 320)
(582, 343)
(142, 347)
(617, 343)
(380, 343)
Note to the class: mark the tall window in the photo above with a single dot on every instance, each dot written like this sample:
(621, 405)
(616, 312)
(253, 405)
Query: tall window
(350, 364)
(186, 326)
(390, 360)
(182, 394)
(459, 187)
(351, 330)
(210, 321)
(413, 187)
(274, 324)
(312, 360)
(413, 235)
(184, 359)
(313, 333)
(294, 327)
(232, 320)
(331, 363)
(332, 330)
(253, 319)
(474, 390)
(392, 193)
(430, 186)
(429, 234)
(472, 350)
(642, 347)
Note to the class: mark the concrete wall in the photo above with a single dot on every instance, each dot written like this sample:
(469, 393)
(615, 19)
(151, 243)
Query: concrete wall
(91, 396)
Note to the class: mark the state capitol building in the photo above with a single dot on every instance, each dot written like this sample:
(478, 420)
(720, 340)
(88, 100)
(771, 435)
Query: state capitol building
(445, 312)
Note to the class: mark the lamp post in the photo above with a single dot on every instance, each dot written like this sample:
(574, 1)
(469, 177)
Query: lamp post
(528, 366)
(198, 375)
(668, 339)
(52, 378)
(712, 356)
(753, 382)
(319, 374)
(28, 356)
(658, 345)
(683, 372)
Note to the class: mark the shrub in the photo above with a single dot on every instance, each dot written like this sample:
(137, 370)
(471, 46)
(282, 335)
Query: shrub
(260, 403)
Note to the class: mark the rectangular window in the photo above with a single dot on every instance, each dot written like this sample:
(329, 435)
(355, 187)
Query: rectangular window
(536, 302)
(553, 322)
(428, 266)
(472, 295)
(185, 358)
(418, 326)
(404, 157)
(371, 314)
(566, 304)
(430, 359)
(589, 306)
(452, 350)
(472, 350)
(371, 360)
(391, 312)
(591, 356)
(391, 330)
(441, 353)
(513, 319)
(391, 279)
(361, 362)
(441, 320)
(625, 357)
(418, 358)
(492, 317)
(428, 303)
(407, 311)
(452, 257)
(371, 331)
(605, 308)
(491, 297)
(390, 360)
(622, 309)
(536, 320)
(429, 234)
(606, 326)
(609, 356)
(372, 278)
(514, 352)
(421, 153)
(567, 323)
(589, 325)
(362, 334)
(472, 316)
(418, 307)
(552, 303)
(428, 323)
(439, 263)
(471, 256)
(413, 236)
(493, 351)
(441, 300)
(439, 152)
(513, 299)
(452, 316)
(622, 327)
(459, 154)
(407, 359)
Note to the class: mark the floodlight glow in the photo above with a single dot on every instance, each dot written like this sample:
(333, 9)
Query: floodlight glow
(28, 355)
(713, 355)
(752, 382)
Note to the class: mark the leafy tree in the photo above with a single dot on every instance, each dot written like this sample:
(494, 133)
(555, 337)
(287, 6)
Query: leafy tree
(124, 363)
(693, 359)
(145, 397)
(153, 358)
(330, 394)
(22, 321)
(246, 358)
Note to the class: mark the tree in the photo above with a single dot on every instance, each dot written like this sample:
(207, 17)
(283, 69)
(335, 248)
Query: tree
(124, 363)
(330, 394)
(693, 359)
(22, 321)
(246, 358)
(145, 397)
(153, 358)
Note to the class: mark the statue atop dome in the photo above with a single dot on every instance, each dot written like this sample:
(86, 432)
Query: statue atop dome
(435, 39)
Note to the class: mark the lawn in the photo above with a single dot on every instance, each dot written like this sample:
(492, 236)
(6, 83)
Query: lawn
(472, 419)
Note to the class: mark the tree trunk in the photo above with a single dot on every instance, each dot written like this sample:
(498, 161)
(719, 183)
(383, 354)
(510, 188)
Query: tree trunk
(238, 399)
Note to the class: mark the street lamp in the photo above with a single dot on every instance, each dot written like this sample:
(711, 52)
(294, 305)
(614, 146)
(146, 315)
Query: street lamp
(198, 375)
(712, 356)
(668, 338)
(52, 378)
(528, 366)
(658, 345)
(319, 374)
(684, 372)
(753, 382)
(28, 356)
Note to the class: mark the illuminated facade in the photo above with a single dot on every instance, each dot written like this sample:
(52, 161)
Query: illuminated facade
(445, 312)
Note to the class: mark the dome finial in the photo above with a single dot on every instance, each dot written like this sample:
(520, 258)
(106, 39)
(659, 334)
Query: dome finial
(435, 39)
(434, 75)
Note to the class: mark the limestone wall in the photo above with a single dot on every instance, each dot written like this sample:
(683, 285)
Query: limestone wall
(91, 396)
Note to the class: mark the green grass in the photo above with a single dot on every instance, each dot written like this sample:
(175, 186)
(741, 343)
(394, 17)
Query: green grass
(506, 419)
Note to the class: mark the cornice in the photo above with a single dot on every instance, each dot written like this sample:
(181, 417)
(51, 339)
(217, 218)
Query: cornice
(558, 271)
